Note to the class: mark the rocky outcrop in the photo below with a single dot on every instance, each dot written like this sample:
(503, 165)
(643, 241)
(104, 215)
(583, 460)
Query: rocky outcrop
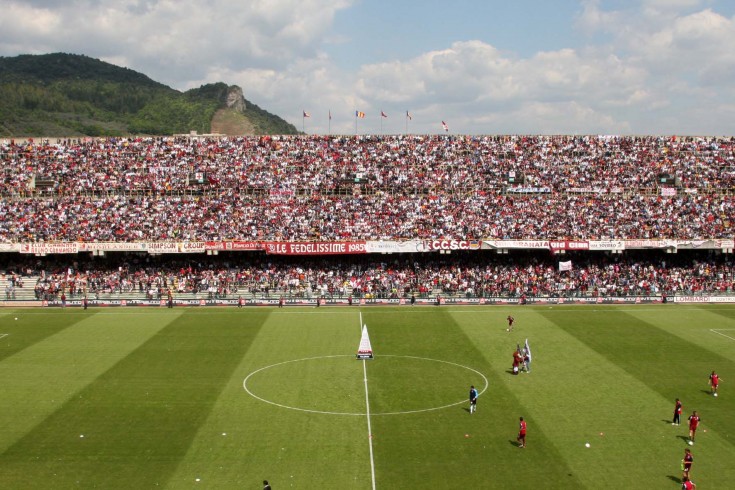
(235, 99)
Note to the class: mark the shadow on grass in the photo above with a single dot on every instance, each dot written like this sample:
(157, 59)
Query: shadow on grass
(673, 478)
(684, 438)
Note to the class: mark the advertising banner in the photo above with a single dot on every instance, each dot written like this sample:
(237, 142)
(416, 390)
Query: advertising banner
(315, 248)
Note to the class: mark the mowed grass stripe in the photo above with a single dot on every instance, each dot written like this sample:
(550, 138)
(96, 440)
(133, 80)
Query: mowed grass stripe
(430, 449)
(291, 449)
(139, 417)
(71, 352)
(670, 366)
(27, 330)
(578, 396)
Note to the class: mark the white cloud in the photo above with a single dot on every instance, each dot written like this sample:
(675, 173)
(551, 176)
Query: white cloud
(660, 65)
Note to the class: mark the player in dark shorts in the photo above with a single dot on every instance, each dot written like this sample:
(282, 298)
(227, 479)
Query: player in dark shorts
(677, 413)
(686, 463)
(473, 399)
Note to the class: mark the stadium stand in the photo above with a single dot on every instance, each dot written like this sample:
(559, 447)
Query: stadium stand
(664, 193)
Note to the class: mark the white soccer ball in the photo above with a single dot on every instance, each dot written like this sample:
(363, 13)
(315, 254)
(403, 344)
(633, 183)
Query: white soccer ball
(587, 445)
(715, 393)
(690, 443)
(16, 317)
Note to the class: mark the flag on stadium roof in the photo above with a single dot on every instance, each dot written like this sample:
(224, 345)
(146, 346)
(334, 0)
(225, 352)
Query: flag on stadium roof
(306, 114)
(408, 115)
(359, 114)
(383, 114)
(444, 125)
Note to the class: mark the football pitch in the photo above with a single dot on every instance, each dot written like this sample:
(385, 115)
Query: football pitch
(227, 398)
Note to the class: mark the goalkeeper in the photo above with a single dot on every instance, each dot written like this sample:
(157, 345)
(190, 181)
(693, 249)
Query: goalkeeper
(473, 399)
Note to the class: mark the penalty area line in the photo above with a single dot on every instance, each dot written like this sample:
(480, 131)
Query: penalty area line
(717, 331)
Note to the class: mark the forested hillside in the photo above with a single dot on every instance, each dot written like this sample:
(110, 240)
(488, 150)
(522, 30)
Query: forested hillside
(74, 95)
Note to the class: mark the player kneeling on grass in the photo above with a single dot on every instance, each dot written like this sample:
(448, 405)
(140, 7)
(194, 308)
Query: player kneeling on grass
(473, 399)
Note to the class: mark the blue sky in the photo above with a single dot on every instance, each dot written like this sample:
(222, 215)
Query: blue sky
(491, 67)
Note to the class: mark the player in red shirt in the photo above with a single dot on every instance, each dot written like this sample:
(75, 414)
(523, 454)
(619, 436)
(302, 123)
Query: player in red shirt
(687, 484)
(693, 424)
(677, 413)
(521, 433)
(517, 360)
(714, 381)
(510, 323)
(686, 463)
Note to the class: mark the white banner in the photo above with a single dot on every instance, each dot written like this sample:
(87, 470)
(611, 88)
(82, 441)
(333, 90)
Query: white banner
(565, 266)
(526, 244)
(111, 247)
(390, 247)
(162, 247)
(49, 248)
(607, 245)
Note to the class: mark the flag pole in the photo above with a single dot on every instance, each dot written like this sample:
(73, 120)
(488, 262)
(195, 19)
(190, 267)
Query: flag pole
(381, 121)
(329, 130)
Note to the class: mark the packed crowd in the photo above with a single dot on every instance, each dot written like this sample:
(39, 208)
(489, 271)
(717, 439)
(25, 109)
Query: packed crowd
(367, 188)
(467, 274)
(400, 163)
(229, 216)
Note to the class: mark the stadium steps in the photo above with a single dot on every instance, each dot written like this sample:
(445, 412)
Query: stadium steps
(27, 292)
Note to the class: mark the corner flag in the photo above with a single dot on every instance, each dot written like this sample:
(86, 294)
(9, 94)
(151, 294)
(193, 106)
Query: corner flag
(365, 351)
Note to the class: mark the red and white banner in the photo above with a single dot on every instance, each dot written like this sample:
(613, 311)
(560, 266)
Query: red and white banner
(238, 246)
(565, 266)
(314, 248)
(49, 248)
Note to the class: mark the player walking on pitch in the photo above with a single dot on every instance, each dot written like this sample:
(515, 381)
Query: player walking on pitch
(693, 424)
(473, 399)
(510, 323)
(714, 381)
(686, 463)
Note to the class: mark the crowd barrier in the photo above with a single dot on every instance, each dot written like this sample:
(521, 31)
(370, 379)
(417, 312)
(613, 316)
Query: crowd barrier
(344, 302)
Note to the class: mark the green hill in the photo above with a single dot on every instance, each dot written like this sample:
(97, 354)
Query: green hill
(73, 95)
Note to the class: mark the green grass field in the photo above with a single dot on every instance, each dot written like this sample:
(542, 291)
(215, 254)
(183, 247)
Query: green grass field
(215, 398)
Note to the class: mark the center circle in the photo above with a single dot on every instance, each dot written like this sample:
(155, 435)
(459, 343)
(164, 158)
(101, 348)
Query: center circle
(336, 385)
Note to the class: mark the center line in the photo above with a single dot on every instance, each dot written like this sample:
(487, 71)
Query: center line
(367, 412)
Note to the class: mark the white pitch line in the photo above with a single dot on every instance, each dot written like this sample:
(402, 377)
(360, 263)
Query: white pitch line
(718, 333)
(3, 335)
(367, 413)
